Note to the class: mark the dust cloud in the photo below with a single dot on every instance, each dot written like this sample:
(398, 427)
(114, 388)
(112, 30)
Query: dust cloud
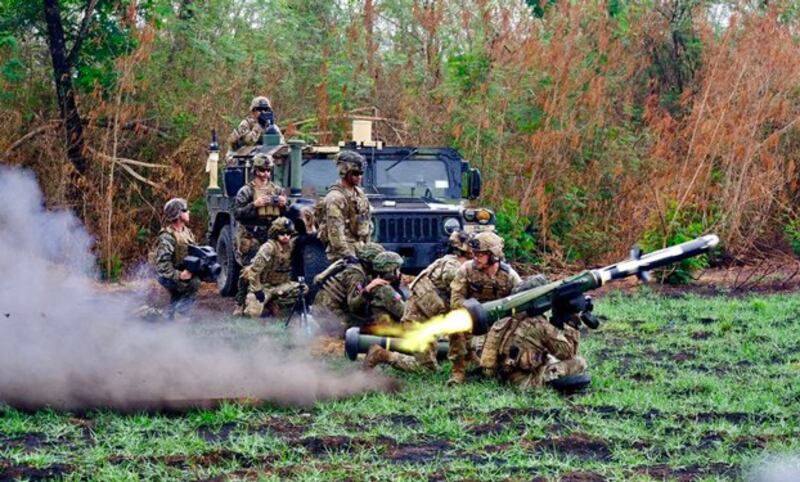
(68, 345)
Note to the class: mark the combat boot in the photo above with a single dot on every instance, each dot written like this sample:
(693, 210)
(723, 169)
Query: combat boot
(238, 311)
(459, 372)
(376, 356)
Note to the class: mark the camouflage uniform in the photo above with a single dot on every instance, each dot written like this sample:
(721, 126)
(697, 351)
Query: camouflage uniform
(249, 131)
(346, 223)
(472, 282)
(430, 296)
(530, 351)
(344, 296)
(171, 248)
(269, 274)
(253, 223)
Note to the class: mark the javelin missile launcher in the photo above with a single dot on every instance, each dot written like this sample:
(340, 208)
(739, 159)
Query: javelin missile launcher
(565, 299)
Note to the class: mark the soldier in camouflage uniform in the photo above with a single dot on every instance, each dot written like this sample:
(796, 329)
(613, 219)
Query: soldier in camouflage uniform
(171, 247)
(356, 293)
(530, 351)
(345, 224)
(484, 278)
(251, 129)
(258, 204)
(430, 296)
(269, 274)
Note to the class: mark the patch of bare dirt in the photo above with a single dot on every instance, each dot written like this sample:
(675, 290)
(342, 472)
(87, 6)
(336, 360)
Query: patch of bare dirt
(421, 453)
(12, 471)
(582, 477)
(211, 435)
(686, 474)
(280, 427)
(581, 446)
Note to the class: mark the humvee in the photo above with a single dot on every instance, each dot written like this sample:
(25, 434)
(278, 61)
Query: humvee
(418, 197)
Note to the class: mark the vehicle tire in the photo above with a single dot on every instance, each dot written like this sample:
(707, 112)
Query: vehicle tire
(227, 281)
(311, 262)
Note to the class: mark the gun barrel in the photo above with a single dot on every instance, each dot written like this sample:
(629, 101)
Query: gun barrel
(355, 343)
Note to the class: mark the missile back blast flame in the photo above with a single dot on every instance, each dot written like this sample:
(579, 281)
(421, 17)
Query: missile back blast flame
(565, 298)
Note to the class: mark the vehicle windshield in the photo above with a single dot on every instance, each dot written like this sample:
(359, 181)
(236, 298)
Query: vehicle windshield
(318, 174)
(412, 178)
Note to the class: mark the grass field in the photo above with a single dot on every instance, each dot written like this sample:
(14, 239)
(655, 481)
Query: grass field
(685, 388)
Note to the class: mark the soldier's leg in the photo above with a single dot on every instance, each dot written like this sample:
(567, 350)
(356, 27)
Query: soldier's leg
(458, 354)
(252, 307)
(381, 356)
(556, 368)
(427, 358)
(246, 248)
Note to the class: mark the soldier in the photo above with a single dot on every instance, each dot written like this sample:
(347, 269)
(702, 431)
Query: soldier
(354, 295)
(258, 203)
(250, 130)
(345, 224)
(430, 296)
(484, 278)
(171, 247)
(269, 274)
(531, 351)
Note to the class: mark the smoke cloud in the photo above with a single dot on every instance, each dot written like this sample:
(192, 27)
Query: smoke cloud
(66, 344)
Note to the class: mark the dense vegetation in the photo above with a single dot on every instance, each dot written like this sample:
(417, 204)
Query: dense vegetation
(596, 124)
(706, 392)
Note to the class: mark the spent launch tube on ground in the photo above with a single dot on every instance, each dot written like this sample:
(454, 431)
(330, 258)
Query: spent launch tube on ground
(355, 343)
(538, 300)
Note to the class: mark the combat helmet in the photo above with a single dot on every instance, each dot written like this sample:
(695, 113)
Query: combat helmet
(262, 161)
(174, 207)
(490, 242)
(349, 161)
(367, 252)
(281, 225)
(387, 262)
(459, 241)
(260, 103)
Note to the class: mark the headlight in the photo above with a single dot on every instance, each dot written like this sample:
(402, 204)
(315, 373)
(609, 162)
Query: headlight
(483, 216)
(469, 215)
(450, 225)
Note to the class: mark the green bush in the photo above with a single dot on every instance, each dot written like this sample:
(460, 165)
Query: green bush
(683, 225)
(792, 232)
(517, 233)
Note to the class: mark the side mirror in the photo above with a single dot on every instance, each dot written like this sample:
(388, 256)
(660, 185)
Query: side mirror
(473, 183)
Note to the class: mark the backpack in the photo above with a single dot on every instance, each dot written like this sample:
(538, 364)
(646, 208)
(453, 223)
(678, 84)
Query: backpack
(321, 214)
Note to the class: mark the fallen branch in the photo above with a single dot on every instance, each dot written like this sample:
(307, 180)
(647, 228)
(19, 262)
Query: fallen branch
(123, 160)
(46, 127)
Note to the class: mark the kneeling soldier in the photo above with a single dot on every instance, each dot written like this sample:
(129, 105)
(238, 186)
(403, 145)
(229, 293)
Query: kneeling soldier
(167, 258)
(430, 296)
(269, 274)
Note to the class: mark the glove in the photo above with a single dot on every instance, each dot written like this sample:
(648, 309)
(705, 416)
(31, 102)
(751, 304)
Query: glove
(263, 119)
(260, 296)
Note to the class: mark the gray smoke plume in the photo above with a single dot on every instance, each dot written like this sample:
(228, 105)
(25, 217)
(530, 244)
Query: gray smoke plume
(66, 344)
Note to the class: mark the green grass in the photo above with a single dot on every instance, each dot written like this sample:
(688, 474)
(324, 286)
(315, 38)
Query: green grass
(683, 387)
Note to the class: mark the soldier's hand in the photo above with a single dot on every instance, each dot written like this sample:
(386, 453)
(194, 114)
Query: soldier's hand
(282, 201)
(185, 275)
(374, 284)
(261, 201)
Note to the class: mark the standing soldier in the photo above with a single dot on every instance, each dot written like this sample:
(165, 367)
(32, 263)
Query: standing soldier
(252, 127)
(345, 224)
(258, 203)
(269, 275)
(430, 296)
(484, 278)
(172, 245)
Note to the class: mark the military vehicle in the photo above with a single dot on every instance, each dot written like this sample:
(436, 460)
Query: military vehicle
(419, 195)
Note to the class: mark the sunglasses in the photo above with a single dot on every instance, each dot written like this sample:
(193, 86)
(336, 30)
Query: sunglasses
(357, 173)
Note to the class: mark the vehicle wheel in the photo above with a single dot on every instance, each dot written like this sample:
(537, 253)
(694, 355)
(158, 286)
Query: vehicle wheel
(311, 262)
(227, 281)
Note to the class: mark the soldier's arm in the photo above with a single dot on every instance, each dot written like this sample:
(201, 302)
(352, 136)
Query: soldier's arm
(235, 137)
(389, 299)
(357, 296)
(260, 262)
(252, 136)
(245, 209)
(514, 276)
(164, 253)
(458, 288)
(336, 224)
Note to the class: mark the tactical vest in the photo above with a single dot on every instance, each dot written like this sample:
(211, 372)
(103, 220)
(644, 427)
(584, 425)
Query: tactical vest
(334, 286)
(437, 277)
(356, 214)
(485, 288)
(269, 211)
(182, 241)
(280, 269)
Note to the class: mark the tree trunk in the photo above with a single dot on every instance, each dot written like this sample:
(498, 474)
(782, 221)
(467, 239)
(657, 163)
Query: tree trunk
(62, 73)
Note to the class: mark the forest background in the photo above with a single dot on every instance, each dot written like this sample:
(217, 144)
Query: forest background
(596, 124)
